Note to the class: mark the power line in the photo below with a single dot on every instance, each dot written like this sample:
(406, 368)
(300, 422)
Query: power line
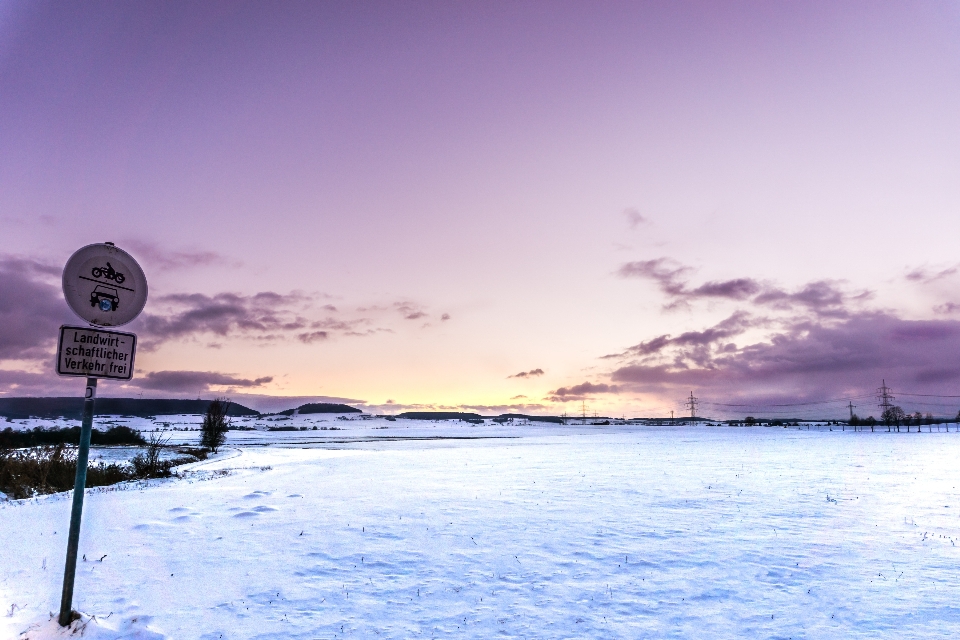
(788, 404)
(884, 396)
(927, 395)
(819, 402)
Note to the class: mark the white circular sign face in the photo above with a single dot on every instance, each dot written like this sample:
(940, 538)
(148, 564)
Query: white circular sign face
(104, 285)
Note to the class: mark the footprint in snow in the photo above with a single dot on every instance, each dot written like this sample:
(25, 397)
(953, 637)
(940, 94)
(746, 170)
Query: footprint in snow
(255, 511)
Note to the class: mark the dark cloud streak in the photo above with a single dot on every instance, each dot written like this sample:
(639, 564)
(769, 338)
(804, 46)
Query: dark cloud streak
(31, 309)
(823, 297)
(194, 381)
(581, 391)
(528, 374)
(154, 257)
(634, 217)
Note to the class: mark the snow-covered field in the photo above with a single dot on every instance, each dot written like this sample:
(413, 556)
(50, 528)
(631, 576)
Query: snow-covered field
(511, 531)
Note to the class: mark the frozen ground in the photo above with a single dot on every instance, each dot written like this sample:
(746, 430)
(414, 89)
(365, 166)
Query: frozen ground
(575, 532)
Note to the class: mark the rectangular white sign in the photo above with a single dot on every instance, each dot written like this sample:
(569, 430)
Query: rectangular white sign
(95, 353)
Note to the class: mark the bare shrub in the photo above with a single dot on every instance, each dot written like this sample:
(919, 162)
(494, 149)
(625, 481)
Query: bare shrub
(196, 452)
(25, 473)
(50, 469)
(149, 464)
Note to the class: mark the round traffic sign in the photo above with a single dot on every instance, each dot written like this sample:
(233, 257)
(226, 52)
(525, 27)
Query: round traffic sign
(104, 285)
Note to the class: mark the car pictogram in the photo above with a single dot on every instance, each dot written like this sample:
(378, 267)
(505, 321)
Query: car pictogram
(104, 297)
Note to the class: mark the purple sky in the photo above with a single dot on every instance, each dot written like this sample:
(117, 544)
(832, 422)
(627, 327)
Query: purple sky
(410, 204)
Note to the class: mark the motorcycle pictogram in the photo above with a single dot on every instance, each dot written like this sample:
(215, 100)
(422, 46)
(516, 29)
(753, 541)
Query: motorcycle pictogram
(109, 273)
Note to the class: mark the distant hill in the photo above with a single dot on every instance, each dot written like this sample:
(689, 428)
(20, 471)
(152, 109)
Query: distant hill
(503, 417)
(322, 407)
(456, 415)
(72, 408)
(439, 415)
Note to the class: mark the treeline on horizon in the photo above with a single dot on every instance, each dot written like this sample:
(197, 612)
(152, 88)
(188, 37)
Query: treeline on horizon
(72, 408)
(38, 437)
(893, 416)
(24, 408)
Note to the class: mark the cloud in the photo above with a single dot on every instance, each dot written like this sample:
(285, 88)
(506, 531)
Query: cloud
(817, 341)
(581, 391)
(409, 310)
(738, 289)
(634, 217)
(392, 407)
(813, 360)
(527, 374)
(667, 273)
(822, 297)
(18, 382)
(924, 276)
(194, 381)
(693, 343)
(267, 315)
(31, 308)
(496, 409)
(312, 336)
(154, 257)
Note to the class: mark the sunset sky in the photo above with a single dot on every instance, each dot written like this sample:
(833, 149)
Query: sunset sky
(492, 206)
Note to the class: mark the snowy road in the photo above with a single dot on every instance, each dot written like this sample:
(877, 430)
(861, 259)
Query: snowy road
(689, 533)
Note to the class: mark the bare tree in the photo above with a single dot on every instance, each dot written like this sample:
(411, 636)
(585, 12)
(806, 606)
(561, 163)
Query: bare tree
(213, 431)
(893, 415)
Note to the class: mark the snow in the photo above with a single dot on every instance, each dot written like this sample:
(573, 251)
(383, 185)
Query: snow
(92, 628)
(536, 531)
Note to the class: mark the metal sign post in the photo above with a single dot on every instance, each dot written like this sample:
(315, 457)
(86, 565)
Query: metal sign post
(105, 286)
(73, 539)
